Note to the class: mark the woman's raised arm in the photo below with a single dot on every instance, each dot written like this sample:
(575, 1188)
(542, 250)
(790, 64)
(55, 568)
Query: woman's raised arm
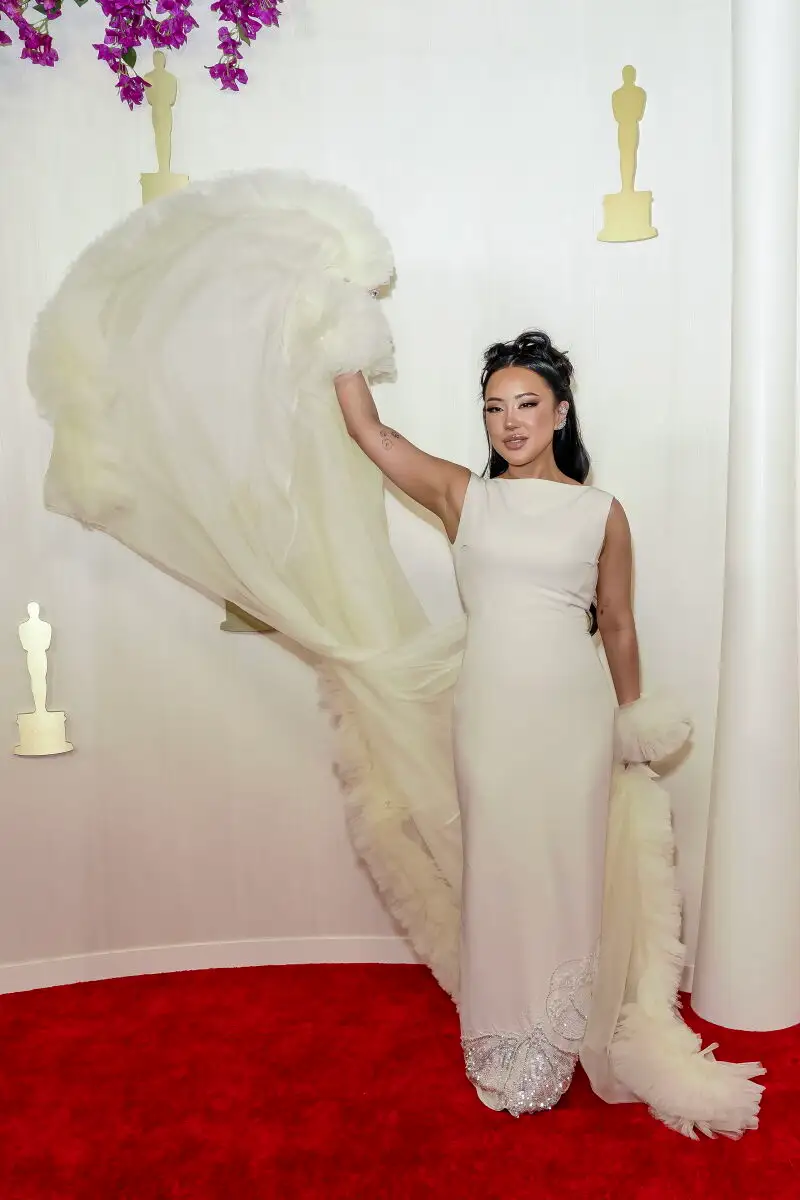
(435, 483)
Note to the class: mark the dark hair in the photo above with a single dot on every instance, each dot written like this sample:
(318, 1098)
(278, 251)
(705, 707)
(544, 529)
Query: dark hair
(534, 350)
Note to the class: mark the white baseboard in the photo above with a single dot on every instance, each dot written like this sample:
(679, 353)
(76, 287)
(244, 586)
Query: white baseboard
(201, 956)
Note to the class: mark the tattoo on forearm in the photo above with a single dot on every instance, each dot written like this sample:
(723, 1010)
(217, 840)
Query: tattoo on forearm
(387, 435)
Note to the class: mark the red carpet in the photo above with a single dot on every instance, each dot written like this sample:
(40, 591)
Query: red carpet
(328, 1082)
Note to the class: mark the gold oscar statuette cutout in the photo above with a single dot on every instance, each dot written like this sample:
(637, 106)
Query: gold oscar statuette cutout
(161, 96)
(628, 213)
(238, 621)
(40, 732)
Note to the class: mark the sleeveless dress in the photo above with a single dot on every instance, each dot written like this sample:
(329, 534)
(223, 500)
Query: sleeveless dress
(533, 740)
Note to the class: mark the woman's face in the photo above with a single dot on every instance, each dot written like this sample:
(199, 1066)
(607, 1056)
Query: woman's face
(521, 414)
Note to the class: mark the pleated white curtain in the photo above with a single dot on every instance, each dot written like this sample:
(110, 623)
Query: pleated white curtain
(747, 969)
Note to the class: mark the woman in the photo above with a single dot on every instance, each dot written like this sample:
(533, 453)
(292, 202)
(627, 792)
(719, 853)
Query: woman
(254, 501)
(534, 723)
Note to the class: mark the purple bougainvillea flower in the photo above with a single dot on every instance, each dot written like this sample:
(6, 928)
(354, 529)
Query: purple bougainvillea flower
(38, 48)
(228, 44)
(228, 10)
(108, 54)
(248, 25)
(131, 89)
(228, 76)
(130, 24)
(267, 16)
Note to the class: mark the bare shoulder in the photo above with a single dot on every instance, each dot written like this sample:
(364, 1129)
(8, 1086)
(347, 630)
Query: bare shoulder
(618, 531)
(617, 516)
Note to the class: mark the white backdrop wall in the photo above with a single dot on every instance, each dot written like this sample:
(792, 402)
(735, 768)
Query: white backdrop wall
(198, 823)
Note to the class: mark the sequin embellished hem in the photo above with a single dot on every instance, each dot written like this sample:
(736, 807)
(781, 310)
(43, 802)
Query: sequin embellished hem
(530, 1072)
(522, 1074)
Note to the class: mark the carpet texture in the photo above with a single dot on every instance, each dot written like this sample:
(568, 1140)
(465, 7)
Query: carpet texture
(327, 1082)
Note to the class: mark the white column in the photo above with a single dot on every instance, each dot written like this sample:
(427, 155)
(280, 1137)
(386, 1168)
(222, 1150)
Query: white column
(747, 972)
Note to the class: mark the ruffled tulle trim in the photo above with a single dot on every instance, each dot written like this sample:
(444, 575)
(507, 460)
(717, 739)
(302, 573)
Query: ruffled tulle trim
(414, 891)
(653, 1052)
(649, 730)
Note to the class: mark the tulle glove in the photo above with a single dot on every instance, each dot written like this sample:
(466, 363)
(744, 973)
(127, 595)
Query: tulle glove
(352, 331)
(649, 730)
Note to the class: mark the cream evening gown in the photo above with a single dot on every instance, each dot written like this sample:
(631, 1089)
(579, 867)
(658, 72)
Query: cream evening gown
(534, 715)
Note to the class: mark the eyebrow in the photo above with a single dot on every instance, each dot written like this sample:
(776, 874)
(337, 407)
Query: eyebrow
(519, 396)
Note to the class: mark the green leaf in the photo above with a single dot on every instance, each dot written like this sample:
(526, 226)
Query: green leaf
(129, 58)
(80, 3)
(40, 9)
(242, 35)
